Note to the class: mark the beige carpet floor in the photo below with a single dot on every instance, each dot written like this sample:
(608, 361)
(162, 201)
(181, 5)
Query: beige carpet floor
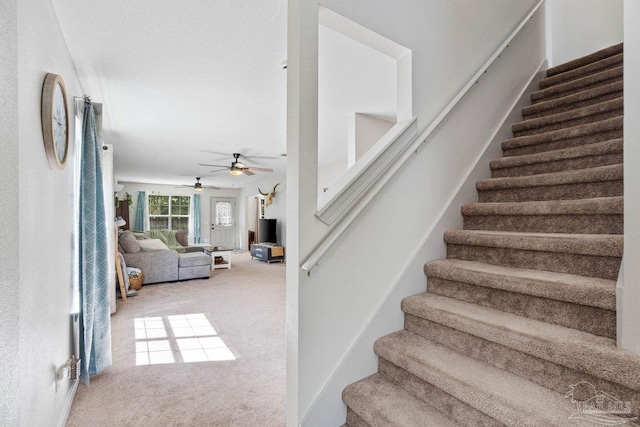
(242, 333)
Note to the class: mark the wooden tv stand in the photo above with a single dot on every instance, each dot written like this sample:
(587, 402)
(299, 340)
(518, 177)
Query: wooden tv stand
(262, 251)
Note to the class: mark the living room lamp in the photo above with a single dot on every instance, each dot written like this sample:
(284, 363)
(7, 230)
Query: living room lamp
(120, 222)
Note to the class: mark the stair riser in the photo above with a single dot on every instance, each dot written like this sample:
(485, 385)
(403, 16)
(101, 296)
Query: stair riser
(582, 190)
(569, 123)
(575, 87)
(455, 409)
(586, 60)
(561, 262)
(543, 372)
(575, 224)
(353, 420)
(593, 68)
(559, 166)
(589, 319)
(537, 111)
(567, 142)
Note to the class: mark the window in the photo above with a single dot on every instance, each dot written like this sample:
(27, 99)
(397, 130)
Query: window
(224, 213)
(169, 212)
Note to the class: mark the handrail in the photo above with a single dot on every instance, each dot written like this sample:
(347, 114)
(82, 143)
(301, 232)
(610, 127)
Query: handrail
(477, 76)
(345, 221)
(359, 179)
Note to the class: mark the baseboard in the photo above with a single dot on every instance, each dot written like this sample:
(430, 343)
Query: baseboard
(64, 416)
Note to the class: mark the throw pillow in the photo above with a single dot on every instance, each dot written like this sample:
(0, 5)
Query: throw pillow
(182, 237)
(152, 245)
(129, 243)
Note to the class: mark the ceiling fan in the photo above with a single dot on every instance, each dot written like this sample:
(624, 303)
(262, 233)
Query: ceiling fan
(238, 168)
(198, 187)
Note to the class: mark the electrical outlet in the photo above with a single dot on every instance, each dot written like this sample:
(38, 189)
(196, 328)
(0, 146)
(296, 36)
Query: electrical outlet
(60, 374)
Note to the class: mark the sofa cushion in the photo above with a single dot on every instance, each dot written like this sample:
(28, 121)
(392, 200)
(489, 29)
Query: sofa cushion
(193, 259)
(156, 266)
(129, 243)
(152, 245)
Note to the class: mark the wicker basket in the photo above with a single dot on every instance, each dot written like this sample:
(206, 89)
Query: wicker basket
(135, 283)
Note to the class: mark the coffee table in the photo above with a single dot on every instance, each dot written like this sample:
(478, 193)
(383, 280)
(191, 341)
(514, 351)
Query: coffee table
(220, 257)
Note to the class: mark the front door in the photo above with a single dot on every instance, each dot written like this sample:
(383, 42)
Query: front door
(223, 222)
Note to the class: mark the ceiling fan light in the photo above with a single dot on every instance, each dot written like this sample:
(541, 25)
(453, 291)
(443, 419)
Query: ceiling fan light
(236, 172)
(197, 188)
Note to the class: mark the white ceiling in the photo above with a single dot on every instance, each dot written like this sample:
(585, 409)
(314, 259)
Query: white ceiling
(191, 82)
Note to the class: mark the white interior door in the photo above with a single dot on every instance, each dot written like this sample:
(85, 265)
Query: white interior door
(223, 222)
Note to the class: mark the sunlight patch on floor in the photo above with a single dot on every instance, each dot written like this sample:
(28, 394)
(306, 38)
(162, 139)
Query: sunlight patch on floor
(182, 338)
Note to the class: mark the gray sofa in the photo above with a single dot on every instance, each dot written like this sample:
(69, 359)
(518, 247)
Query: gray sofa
(163, 265)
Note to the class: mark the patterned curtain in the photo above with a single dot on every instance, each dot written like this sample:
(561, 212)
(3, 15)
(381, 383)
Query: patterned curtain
(95, 318)
(139, 224)
(196, 218)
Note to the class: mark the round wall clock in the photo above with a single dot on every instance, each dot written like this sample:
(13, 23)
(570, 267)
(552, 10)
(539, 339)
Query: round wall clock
(55, 120)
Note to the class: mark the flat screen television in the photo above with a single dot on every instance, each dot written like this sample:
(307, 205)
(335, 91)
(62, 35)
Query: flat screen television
(267, 231)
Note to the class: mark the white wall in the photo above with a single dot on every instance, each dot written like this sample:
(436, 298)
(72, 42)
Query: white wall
(629, 293)
(38, 205)
(277, 210)
(329, 174)
(9, 215)
(205, 196)
(302, 172)
(335, 304)
(580, 27)
(364, 132)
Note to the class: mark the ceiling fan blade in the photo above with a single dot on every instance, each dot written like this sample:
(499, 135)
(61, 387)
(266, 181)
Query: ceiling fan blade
(219, 170)
(247, 172)
(259, 169)
(211, 187)
(218, 153)
(252, 158)
(213, 166)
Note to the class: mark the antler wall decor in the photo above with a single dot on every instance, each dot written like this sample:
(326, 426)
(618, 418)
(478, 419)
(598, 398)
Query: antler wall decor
(270, 195)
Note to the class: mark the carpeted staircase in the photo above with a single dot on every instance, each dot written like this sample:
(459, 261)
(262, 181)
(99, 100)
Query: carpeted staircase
(524, 306)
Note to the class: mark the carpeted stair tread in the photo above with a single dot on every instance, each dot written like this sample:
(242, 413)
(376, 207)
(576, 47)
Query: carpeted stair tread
(580, 99)
(380, 402)
(605, 245)
(585, 60)
(599, 131)
(590, 68)
(590, 291)
(594, 112)
(601, 173)
(568, 347)
(508, 398)
(601, 215)
(575, 86)
(613, 148)
(596, 206)
(601, 181)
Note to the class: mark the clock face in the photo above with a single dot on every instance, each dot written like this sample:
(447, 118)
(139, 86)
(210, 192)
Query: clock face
(59, 123)
(55, 121)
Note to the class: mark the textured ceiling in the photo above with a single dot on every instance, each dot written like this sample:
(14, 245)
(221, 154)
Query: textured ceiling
(193, 81)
